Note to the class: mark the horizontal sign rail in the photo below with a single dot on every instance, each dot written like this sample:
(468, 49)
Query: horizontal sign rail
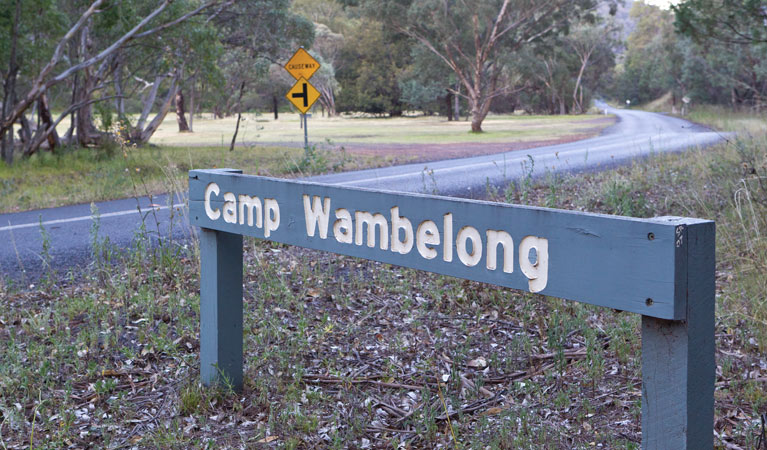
(636, 265)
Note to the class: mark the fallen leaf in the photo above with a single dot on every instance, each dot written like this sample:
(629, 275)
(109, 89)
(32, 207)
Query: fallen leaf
(492, 411)
(267, 440)
(479, 363)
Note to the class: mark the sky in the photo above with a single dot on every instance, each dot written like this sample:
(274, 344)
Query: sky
(662, 3)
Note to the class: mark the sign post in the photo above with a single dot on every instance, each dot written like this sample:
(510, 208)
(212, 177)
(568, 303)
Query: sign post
(660, 268)
(302, 95)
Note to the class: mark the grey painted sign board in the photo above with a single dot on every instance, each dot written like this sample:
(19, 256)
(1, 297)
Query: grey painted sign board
(661, 268)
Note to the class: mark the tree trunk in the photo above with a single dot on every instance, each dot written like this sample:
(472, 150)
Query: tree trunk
(239, 117)
(328, 100)
(191, 106)
(274, 106)
(73, 115)
(9, 94)
(449, 104)
(148, 102)
(183, 127)
(457, 103)
(476, 115)
(46, 122)
(25, 130)
(578, 105)
(150, 129)
(118, 83)
(86, 132)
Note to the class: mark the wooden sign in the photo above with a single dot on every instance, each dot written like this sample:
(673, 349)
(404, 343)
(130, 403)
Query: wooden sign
(302, 64)
(302, 95)
(661, 268)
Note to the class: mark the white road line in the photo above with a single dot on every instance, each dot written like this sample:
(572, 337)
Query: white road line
(596, 149)
(82, 218)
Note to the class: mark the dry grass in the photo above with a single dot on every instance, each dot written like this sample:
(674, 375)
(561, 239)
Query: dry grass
(366, 130)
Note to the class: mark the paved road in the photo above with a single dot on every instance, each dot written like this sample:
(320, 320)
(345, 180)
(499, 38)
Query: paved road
(70, 229)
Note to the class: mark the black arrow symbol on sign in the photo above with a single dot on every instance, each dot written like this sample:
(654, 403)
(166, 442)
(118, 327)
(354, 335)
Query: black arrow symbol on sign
(303, 94)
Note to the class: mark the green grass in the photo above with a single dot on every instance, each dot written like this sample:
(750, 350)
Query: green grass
(87, 175)
(366, 130)
(726, 119)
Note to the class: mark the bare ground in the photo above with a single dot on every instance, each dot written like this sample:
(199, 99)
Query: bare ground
(416, 153)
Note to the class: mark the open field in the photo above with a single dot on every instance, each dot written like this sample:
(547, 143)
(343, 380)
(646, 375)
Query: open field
(86, 175)
(344, 353)
(359, 130)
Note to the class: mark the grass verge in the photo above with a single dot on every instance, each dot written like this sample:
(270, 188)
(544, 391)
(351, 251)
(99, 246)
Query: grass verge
(88, 175)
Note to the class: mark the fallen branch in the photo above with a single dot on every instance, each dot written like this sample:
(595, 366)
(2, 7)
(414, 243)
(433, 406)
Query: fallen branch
(476, 406)
(323, 379)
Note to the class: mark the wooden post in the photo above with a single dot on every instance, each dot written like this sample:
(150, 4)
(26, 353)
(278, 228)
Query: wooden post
(678, 366)
(221, 308)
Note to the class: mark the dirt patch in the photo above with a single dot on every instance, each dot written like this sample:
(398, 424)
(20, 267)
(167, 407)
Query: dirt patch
(416, 152)
(436, 152)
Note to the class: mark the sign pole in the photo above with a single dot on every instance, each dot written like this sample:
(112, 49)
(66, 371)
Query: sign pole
(306, 135)
(302, 95)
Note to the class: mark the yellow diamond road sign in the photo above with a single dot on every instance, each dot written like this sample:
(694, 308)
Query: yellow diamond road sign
(302, 65)
(302, 95)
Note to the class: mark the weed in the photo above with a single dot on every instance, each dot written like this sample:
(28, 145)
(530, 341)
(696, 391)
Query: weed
(621, 197)
(318, 160)
(45, 254)
(428, 174)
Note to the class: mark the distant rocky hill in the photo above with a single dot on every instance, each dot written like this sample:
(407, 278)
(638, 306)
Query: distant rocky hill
(623, 19)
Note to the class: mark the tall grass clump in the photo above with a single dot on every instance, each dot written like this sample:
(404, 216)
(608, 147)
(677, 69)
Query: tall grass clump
(737, 196)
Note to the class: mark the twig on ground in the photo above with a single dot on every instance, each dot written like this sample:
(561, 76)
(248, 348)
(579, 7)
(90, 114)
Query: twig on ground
(323, 379)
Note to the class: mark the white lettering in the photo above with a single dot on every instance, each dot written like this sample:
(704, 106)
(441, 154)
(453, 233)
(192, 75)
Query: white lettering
(372, 220)
(213, 214)
(400, 223)
(427, 234)
(316, 213)
(247, 204)
(493, 239)
(538, 273)
(466, 234)
(271, 216)
(447, 248)
(230, 208)
(342, 228)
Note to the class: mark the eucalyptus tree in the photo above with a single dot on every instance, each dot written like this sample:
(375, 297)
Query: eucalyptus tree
(83, 54)
(424, 83)
(368, 69)
(652, 64)
(255, 35)
(327, 85)
(592, 44)
(27, 27)
(471, 38)
(733, 30)
(730, 21)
